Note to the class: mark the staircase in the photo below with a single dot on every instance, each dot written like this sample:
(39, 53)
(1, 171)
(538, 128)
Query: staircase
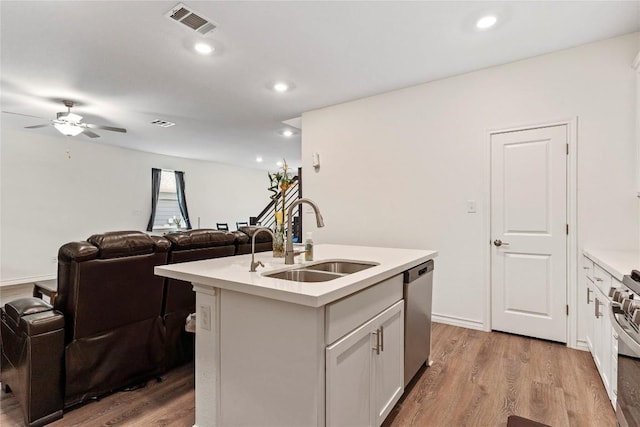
(267, 218)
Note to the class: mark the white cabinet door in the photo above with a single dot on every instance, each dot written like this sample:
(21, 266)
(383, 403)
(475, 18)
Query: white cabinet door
(597, 328)
(349, 379)
(587, 298)
(365, 371)
(606, 333)
(602, 338)
(600, 335)
(389, 363)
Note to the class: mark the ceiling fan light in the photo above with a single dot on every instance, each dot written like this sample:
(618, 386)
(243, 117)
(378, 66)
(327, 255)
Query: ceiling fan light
(71, 117)
(68, 129)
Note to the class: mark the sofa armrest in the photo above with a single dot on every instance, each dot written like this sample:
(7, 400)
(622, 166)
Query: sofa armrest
(32, 336)
(47, 288)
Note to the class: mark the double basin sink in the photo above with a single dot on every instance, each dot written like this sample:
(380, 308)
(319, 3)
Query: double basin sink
(322, 271)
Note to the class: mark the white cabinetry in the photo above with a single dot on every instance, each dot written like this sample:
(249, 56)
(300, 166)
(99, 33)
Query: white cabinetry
(365, 355)
(365, 371)
(599, 332)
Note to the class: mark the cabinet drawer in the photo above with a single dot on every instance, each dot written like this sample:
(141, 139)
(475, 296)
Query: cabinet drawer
(602, 279)
(347, 314)
(587, 268)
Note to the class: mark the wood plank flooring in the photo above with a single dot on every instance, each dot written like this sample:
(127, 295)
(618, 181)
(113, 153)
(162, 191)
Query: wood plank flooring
(480, 378)
(476, 379)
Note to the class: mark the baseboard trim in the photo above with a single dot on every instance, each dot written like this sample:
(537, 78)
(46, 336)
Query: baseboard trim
(458, 321)
(27, 280)
(581, 345)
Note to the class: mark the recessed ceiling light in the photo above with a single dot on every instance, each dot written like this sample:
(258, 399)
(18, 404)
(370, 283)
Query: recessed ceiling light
(281, 87)
(203, 48)
(287, 133)
(259, 159)
(486, 22)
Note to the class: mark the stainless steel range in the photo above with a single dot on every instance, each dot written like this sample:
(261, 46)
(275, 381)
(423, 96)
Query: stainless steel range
(625, 318)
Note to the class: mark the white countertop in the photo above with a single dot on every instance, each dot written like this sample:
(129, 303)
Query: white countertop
(232, 273)
(616, 263)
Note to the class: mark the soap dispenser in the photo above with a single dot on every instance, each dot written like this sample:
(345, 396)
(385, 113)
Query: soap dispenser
(308, 247)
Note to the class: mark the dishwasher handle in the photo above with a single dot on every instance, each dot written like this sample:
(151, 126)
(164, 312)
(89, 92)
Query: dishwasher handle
(418, 271)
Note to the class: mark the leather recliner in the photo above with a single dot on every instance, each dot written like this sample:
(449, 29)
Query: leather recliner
(112, 304)
(264, 241)
(179, 298)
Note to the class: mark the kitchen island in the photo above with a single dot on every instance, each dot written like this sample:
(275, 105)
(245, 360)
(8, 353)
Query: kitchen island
(271, 351)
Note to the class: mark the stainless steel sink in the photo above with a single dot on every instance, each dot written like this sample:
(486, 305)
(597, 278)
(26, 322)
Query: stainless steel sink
(341, 267)
(322, 271)
(302, 275)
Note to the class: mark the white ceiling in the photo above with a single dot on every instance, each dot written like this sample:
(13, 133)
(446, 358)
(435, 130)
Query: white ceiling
(125, 64)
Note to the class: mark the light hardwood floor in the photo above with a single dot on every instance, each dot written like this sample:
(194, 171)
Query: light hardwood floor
(476, 379)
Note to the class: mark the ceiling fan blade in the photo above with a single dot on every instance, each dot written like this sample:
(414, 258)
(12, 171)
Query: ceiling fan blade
(90, 134)
(36, 126)
(20, 114)
(111, 128)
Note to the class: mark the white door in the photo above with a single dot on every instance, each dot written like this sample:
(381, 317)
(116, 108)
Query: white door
(389, 361)
(528, 232)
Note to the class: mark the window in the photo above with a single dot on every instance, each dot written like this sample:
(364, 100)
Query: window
(168, 200)
(167, 208)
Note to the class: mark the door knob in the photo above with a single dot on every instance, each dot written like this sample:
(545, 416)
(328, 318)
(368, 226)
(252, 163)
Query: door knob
(499, 243)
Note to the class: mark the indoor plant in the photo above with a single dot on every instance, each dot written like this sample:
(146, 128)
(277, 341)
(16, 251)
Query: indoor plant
(280, 182)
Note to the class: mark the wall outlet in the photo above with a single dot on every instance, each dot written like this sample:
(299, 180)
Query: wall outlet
(204, 317)
(472, 206)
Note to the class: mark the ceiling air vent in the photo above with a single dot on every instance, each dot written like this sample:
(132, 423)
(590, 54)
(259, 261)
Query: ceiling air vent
(162, 123)
(186, 16)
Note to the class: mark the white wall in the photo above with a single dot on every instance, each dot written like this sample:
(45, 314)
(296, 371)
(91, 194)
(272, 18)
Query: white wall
(398, 168)
(48, 199)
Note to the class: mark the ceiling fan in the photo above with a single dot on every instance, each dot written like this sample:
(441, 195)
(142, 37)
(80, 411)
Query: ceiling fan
(71, 124)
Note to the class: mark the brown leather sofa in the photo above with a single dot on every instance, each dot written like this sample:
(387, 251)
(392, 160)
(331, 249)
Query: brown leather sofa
(114, 323)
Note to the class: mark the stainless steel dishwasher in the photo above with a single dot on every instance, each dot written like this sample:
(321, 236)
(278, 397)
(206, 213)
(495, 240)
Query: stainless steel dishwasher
(418, 284)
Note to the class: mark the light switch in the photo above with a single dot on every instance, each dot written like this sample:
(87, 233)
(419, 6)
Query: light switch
(472, 206)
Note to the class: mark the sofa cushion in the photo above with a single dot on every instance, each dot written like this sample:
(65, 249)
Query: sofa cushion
(241, 237)
(117, 244)
(262, 237)
(201, 238)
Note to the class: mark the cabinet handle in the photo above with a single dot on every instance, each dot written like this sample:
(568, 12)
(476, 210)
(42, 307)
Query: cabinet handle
(377, 347)
(597, 308)
(589, 295)
(381, 338)
(598, 279)
(585, 268)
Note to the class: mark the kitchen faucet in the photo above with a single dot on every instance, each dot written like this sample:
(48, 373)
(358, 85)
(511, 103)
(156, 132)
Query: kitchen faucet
(255, 264)
(289, 253)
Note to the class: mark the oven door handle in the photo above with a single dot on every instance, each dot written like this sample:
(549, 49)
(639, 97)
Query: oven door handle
(623, 335)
